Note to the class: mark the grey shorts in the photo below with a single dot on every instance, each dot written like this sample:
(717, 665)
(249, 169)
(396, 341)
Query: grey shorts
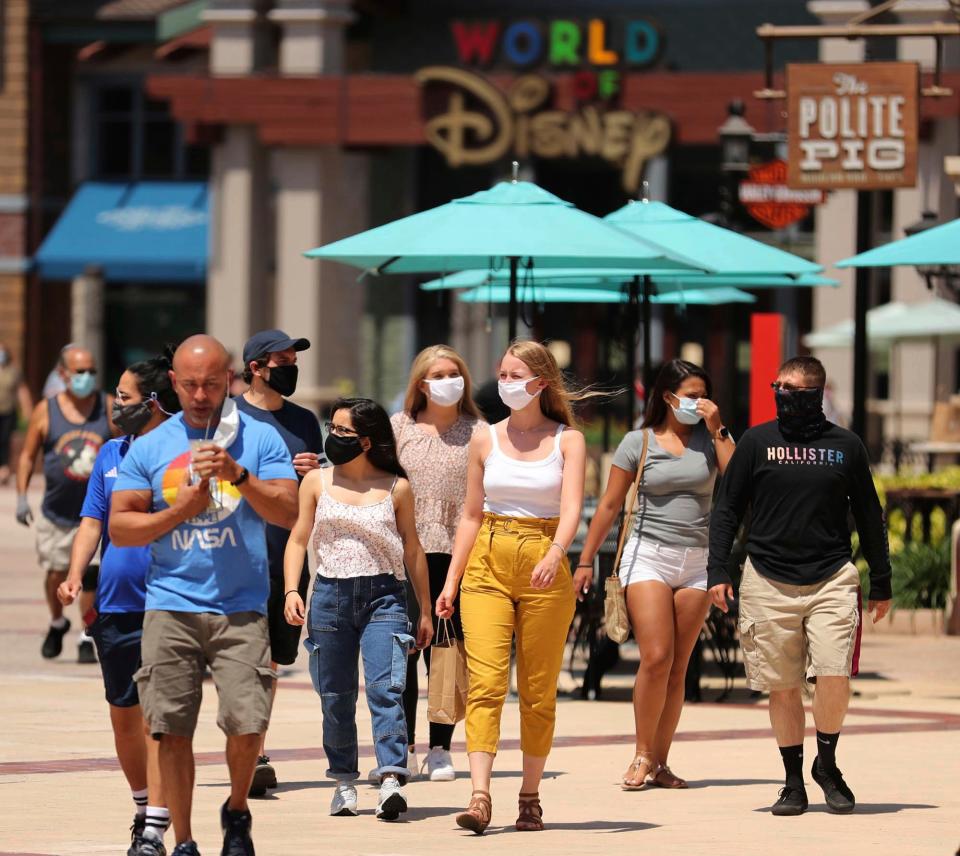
(54, 543)
(177, 648)
(789, 633)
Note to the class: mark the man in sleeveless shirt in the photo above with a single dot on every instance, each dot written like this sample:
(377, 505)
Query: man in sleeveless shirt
(70, 427)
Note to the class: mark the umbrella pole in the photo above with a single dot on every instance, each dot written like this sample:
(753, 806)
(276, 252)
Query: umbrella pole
(861, 303)
(512, 310)
(647, 344)
(633, 323)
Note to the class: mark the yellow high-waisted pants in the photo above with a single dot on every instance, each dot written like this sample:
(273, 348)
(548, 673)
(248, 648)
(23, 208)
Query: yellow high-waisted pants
(498, 602)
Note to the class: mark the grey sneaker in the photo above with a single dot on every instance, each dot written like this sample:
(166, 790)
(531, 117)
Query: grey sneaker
(344, 802)
(136, 834)
(392, 801)
(151, 844)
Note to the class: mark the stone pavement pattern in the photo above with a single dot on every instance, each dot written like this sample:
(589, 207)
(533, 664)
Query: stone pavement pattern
(62, 793)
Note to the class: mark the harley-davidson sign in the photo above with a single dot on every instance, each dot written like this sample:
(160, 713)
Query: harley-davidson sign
(853, 126)
(769, 200)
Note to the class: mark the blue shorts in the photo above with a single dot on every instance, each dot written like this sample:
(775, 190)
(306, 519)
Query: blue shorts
(117, 636)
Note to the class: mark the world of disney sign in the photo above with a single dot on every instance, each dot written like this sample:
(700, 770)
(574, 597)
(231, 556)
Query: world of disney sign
(483, 123)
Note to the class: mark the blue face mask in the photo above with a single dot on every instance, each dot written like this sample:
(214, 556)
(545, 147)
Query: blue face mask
(82, 384)
(686, 412)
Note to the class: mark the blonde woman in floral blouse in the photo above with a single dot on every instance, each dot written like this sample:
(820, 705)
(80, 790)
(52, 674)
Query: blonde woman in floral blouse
(433, 432)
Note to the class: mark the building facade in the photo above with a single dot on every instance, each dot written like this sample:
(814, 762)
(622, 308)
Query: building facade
(309, 120)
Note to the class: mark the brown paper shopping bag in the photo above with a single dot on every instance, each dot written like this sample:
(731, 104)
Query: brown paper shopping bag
(447, 697)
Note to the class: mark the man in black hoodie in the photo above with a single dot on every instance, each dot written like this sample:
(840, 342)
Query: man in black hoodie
(801, 476)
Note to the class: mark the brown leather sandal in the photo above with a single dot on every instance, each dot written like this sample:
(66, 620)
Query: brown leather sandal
(664, 777)
(477, 816)
(531, 813)
(632, 780)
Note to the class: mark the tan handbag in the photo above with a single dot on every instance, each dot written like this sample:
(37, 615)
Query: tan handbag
(615, 618)
(447, 689)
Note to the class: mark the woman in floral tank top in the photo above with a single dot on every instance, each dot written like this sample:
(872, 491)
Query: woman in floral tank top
(433, 432)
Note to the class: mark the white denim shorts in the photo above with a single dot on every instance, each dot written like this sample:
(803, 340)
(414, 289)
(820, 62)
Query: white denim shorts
(679, 567)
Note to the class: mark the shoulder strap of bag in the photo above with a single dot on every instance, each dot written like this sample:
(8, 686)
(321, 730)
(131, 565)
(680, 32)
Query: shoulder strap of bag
(631, 499)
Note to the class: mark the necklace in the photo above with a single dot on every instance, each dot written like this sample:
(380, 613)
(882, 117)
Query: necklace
(524, 431)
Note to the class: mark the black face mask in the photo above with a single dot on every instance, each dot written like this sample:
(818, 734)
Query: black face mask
(283, 379)
(132, 418)
(800, 413)
(341, 450)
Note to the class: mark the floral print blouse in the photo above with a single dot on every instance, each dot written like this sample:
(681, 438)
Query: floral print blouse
(437, 468)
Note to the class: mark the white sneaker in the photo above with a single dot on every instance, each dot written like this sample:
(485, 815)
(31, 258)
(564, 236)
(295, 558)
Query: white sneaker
(392, 801)
(439, 765)
(344, 802)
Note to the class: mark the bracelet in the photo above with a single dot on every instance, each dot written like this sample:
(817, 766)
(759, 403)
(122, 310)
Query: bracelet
(589, 565)
(292, 591)
(559, 546)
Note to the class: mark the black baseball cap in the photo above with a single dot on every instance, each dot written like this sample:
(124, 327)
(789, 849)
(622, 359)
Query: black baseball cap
(267, 342)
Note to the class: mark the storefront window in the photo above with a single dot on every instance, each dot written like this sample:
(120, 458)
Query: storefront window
(136, 137)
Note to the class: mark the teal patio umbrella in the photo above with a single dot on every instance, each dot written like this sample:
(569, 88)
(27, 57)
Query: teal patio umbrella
(716, 250)
(516, 221)
(935, 251)
(566, 294)
(616, 279)
(934, 247)
(626, 281)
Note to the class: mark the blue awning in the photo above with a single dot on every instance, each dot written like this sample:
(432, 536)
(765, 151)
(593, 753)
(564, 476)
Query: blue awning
(148, 231)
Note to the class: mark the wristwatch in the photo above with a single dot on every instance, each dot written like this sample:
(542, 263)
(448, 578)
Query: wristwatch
(723, 433)
(244, 475)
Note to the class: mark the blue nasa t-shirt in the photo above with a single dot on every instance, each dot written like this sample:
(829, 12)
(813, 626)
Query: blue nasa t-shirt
(217, 561)
(121, 586)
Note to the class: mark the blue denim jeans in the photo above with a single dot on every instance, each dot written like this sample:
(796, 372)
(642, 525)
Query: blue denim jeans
(352, 618)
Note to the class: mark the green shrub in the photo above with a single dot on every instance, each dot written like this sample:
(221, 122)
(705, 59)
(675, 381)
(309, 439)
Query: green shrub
(921, 576)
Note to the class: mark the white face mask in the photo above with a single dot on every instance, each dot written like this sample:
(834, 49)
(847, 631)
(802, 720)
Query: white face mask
(513, 393)
(445, 391)
(686, 412)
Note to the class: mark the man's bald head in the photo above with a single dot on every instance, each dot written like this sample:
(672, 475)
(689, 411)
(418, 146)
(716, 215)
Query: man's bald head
(201, 377)
(202, 349)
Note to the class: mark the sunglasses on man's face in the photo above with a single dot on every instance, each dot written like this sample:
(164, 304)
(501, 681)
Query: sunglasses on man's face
(789, 387)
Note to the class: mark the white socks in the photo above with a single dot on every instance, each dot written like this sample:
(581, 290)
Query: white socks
(58, 623)
(140, 800)
(158, 819)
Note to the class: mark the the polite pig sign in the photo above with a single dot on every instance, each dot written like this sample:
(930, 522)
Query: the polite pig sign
(852, 126)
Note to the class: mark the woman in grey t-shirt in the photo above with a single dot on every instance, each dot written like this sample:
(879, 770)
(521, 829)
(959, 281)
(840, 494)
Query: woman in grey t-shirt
(664, 563)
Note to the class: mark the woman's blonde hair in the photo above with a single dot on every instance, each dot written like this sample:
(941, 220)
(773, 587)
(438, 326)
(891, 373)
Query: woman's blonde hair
(416, 400)
(556, 400)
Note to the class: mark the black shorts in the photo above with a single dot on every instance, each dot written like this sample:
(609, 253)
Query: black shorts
(117, 637)
(284, 637)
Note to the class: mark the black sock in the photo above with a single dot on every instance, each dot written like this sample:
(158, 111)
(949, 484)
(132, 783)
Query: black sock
(827, 750)
(793, 764)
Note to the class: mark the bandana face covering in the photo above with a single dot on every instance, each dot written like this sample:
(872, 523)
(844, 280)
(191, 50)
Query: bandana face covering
(800, 413)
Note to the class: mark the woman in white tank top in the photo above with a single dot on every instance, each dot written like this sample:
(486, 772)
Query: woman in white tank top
(358, 517)
(524, 494)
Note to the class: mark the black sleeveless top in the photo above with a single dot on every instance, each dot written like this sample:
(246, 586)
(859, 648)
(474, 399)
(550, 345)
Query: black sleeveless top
(68, 455)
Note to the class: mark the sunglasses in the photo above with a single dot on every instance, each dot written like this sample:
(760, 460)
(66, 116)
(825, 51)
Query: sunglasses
(790, 387)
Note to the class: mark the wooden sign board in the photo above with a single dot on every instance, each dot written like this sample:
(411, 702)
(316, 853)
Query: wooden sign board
(853, 126)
